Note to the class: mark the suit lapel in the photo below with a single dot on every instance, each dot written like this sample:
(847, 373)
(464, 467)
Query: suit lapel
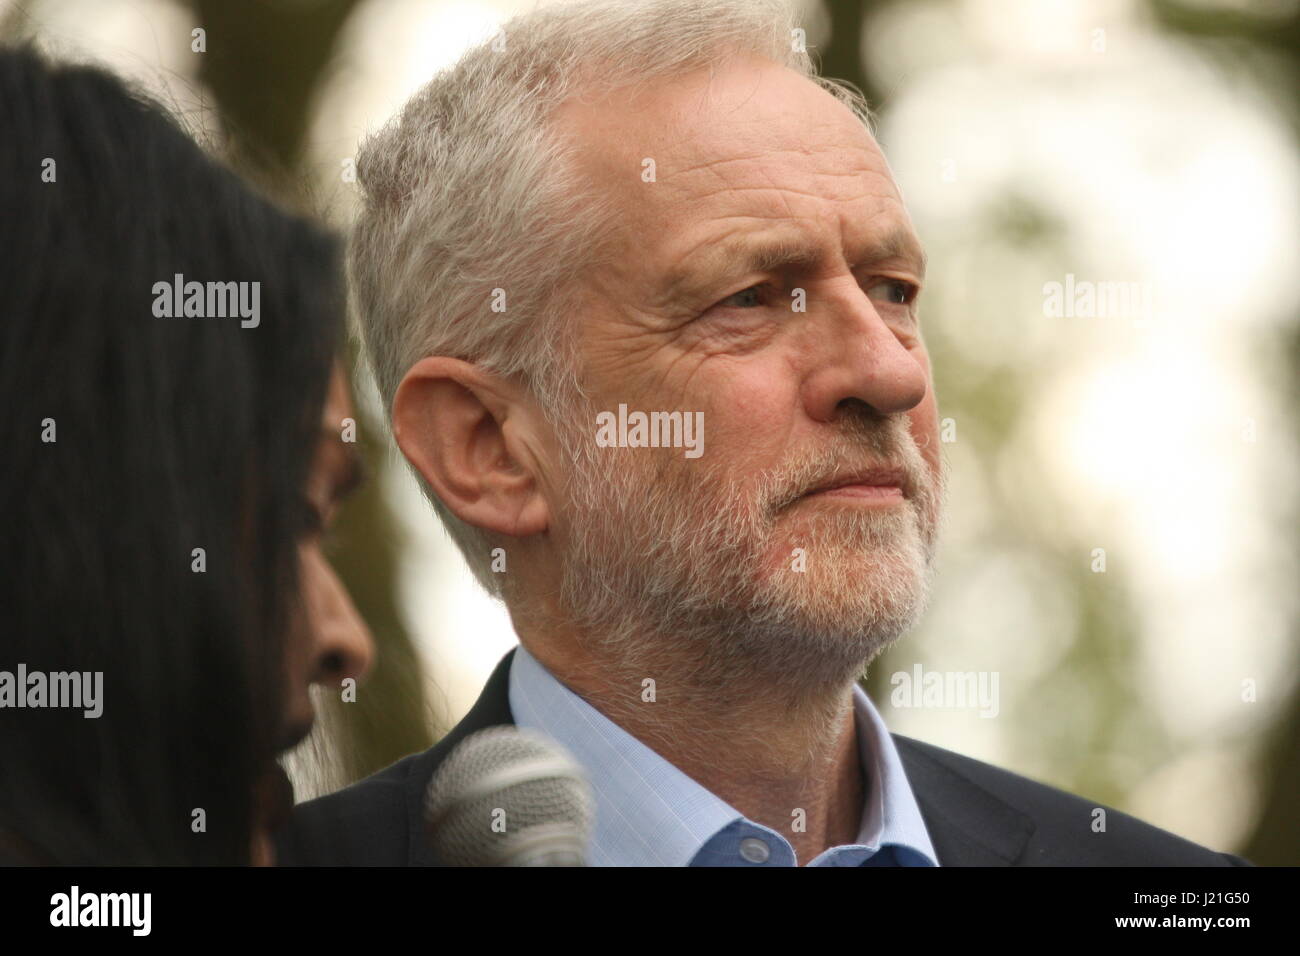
(968, 825)
(490, 710)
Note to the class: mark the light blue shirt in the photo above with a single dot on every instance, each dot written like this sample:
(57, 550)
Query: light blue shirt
(649, 813)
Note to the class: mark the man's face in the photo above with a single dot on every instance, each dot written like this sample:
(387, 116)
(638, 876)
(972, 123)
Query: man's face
(738, 546)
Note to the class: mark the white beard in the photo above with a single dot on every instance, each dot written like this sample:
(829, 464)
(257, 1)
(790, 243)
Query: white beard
(680, 568)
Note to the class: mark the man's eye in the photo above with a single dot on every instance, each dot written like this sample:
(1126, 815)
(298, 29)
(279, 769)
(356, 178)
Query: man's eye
(744, 299)
(893, 291)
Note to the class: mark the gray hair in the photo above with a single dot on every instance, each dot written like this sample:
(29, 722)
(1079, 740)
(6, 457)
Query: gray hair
(467, 193)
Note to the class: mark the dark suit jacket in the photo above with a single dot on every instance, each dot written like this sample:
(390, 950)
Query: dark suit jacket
(977, 815)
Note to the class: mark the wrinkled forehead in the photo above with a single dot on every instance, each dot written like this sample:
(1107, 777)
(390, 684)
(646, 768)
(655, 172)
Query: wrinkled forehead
(744, 144)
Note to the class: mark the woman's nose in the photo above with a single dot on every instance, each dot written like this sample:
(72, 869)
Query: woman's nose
(343, 646)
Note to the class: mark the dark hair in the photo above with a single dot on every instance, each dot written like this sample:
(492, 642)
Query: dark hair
(169, 435)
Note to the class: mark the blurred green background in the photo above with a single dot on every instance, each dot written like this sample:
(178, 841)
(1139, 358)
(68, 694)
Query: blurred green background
(1123, 542)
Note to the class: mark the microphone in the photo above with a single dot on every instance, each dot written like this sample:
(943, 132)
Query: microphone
(507, 796)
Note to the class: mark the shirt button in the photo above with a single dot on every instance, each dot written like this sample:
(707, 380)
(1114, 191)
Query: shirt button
(754, 850)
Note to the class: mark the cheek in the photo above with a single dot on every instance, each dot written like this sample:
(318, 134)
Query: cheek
(298, 652)
(750, 413)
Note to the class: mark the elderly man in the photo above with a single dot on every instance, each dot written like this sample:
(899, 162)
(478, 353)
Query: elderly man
(640, 292)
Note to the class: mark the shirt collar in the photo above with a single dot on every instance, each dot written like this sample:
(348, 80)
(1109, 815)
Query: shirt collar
(649, 813)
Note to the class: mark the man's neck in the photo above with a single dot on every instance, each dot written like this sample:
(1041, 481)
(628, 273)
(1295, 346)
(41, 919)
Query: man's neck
(789, 763)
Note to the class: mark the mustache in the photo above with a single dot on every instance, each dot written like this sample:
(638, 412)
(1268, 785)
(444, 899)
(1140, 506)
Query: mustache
(865, 442)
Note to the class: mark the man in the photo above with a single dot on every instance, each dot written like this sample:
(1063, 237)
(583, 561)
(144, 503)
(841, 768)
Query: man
(641, 294)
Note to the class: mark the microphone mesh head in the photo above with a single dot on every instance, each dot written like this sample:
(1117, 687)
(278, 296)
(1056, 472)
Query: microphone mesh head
(506, 795)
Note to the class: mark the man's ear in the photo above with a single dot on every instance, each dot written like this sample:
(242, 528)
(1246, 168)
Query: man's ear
(467, 432)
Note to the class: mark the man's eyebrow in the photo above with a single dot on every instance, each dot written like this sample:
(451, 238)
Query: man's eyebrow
(901, 243)
(742, 255)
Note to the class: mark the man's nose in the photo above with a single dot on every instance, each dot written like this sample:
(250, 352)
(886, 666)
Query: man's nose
(865, 360)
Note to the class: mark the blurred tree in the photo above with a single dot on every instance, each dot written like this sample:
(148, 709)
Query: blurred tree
(264, 63)
(1264, 38)
(841, 58)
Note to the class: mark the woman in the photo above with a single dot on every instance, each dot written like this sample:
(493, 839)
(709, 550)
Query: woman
(166, 347)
